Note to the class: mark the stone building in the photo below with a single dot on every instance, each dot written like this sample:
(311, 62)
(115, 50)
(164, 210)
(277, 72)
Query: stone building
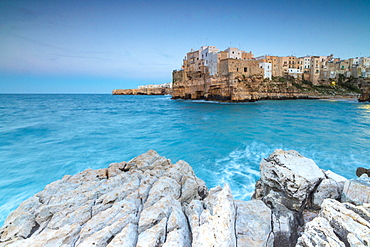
(240, 67)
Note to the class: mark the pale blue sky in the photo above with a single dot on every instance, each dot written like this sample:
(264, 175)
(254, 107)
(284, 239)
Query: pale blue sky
(97, 46)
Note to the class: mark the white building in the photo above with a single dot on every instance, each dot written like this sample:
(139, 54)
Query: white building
(307, 62)
(234, 53)
(267, 73)
(296, 73)
(209, 57)
(365, 62)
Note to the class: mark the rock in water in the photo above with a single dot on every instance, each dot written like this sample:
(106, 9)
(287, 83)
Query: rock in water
(361, 170)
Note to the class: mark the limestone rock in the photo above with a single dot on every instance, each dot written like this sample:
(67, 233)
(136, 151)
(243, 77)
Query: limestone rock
(136, 203)
(318, 232)
(253, 224)
(285, 224)
(357, 191)
(150, 201)
(337, 178)
(328, 188)
(351, 223)
(212, 222)
(338, 224)
(291, 176)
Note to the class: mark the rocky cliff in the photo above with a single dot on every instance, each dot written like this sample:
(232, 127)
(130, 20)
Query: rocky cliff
(365, 90)
(150, 201)
(238, 88)
(142, 91)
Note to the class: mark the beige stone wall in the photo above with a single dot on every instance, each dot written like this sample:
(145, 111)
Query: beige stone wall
(240, 67)
(247, 55)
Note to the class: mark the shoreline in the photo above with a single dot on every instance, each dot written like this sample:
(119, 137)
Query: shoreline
(150, 201)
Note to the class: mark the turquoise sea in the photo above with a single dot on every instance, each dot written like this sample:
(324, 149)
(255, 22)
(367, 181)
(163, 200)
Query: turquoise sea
(44, 137)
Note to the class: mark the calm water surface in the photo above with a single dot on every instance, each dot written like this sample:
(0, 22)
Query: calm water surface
(44, 137)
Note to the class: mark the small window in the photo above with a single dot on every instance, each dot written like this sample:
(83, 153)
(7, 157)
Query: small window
(245, 69)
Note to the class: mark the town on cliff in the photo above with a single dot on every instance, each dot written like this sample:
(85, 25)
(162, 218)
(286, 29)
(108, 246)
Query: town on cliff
(236, 75)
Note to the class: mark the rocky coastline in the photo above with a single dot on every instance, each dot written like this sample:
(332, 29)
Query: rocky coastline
(150, 201)
(142, 91)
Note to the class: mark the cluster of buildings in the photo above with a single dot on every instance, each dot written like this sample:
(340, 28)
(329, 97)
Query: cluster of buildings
(163, 85)
(208, 60)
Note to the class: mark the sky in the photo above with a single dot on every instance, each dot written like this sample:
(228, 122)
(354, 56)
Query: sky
(66, 46)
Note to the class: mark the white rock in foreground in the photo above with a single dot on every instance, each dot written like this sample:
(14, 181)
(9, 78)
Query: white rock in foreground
(338, 224)
(290, 177)
(146, 202)
(357, 190)
(138, 203)
(151, 202)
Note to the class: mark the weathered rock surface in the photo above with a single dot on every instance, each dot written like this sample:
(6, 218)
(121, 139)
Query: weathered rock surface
(289, 178)
(338, 224)
(294, 187)
(138, 203)
(357, 191)
(149, 201)
(146, 202)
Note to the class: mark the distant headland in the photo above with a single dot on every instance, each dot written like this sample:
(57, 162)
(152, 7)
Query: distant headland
(237, 76)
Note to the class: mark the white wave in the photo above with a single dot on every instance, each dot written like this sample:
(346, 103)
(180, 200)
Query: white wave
(240, 168)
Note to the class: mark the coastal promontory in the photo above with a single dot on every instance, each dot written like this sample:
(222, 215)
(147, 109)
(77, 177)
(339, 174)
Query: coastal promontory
(150, 201)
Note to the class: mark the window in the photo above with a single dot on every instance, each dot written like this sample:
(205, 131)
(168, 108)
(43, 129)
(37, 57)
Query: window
(245, 69)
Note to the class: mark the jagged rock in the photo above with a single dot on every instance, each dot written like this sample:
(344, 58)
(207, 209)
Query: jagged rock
(362, 170)
(357, 191)
(138, 203)
(289, 178)
(350, 223)
(331, 187)
(328, 188)
(151, 202)
(253, 224)
(318, 232)
(285, 224)
(337, 178)
(212, 222)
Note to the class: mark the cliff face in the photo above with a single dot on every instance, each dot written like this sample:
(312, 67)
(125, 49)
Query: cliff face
(236, 87)
(365, 90)
(142, 91)
(150, 201)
